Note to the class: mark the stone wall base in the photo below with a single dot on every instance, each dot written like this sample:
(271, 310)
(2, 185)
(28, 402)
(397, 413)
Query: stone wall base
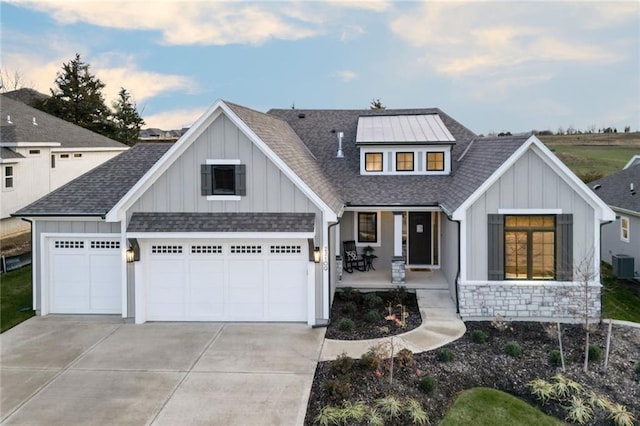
(547, 301)
(398, 272)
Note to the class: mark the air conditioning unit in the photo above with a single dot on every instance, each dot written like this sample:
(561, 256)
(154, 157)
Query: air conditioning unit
(623, 266)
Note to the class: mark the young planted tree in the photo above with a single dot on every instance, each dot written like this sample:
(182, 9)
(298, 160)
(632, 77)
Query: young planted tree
(126, 120)
(78, 98)
(377, 104)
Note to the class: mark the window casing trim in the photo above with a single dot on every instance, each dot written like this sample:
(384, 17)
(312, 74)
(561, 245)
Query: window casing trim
(356, 225)
(624, 229)
(389, 160)
(529, 230)
(8, 178)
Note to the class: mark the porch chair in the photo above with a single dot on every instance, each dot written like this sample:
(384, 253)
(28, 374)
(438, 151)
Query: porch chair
(351, 257)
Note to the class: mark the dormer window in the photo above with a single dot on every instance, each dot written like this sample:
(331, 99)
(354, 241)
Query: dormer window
(404, 161)
(435, 161)
(373, 161)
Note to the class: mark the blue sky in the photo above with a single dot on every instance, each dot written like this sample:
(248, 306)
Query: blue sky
(494, 66)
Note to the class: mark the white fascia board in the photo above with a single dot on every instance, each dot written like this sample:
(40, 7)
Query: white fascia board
(67, 218)
(84, 149)
(631, 161)
(529, 211)
(329, 214)
(625, 211)
(392, 208)
(221, 235)
(117, 212)
(28, 144)
(11, 160)
(555, 164)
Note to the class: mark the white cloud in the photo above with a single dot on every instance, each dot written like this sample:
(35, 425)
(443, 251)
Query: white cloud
(351, 32)
(174, 119)
(346, 75)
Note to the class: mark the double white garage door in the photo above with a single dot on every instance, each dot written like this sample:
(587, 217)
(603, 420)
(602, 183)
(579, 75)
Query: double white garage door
(232, 280)
(198, 280)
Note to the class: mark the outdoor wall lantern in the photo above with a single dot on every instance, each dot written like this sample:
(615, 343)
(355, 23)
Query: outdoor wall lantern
(133, 252)
(316, 254)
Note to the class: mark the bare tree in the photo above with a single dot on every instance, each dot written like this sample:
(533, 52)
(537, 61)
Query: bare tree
(11, 80)
(586, 273)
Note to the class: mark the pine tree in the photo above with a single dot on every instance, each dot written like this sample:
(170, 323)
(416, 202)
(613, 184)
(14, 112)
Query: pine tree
(78, 98)
(126, 120)
(377, 104)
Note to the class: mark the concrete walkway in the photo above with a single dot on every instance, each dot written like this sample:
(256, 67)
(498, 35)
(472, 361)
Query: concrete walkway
(440, 325)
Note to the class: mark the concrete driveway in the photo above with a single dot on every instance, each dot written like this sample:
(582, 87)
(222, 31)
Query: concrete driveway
(66, 370)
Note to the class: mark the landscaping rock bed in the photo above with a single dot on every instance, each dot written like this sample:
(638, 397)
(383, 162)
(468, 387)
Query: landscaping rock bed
(487, 364)
(368, 311)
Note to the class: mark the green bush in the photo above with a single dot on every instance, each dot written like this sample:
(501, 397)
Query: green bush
(346, 324)
(342, 365)
(399, 295)
(427, 384)
(445, 355)
(372, 316)
(405, 357)
(554, 358)
(513, 349)
(478, 336)
(349, 293)
(595, 353)
(370, 360)
(373, 301)
(349, 308)
(339, 389)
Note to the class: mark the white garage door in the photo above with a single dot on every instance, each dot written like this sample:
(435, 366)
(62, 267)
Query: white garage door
(84, 276)
(226, 280)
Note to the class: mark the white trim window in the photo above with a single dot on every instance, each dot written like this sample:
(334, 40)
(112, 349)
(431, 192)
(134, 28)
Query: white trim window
(223, 180)
(624, 228)
(367, 228)
(8, 177)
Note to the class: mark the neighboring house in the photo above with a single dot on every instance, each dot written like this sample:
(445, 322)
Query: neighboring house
(621, 239)
(227, 224)
(38, 154)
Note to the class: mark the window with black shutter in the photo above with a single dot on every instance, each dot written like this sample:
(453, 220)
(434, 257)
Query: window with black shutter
(223, 179)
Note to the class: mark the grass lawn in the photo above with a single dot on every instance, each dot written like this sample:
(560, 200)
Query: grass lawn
(600, 159)
(490, 407)
(619, 300)
(15, 295)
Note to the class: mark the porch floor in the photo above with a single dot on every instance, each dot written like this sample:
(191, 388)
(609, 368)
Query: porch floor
(432, 279)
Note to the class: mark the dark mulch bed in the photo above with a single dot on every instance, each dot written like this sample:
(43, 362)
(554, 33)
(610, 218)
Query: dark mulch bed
(488, 365)
(355, 305)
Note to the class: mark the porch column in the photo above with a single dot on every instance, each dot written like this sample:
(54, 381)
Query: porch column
(398, 274)
(338, 251)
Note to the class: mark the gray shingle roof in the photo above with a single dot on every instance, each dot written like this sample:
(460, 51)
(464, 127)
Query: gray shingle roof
(97, 191)
(279, 136)
(318, 131)
(222, 222)
(8, 153)
(615, 189)
(49, 128)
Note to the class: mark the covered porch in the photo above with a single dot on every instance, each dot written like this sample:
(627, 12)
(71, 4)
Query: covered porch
(380, 278)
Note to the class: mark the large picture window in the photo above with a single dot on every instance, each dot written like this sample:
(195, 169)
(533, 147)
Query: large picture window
(404, 161)
(435, 161)
(529, 247)
(373, 161)
(367, 227)
(223, 179)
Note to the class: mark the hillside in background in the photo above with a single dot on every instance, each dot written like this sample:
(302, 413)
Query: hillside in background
(594, 155)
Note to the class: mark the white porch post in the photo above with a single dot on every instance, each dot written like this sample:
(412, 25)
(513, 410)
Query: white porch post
(398, 274)
(338, 251)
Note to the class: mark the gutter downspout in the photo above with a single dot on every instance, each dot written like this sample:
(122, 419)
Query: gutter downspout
(458, 272)
(326, 324)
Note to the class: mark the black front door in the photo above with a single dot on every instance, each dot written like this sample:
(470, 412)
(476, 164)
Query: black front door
(419, 238)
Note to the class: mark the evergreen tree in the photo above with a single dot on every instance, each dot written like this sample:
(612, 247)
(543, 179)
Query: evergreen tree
(377, 104)
(126, 120)
(78, 98)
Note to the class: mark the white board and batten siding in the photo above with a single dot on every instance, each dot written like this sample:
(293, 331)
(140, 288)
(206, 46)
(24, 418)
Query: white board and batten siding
(529, 185)
(268, 189)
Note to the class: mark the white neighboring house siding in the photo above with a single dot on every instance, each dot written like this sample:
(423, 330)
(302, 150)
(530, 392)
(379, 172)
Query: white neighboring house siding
(34, 177)
(612, 242)
(529, 186)
(268, 189)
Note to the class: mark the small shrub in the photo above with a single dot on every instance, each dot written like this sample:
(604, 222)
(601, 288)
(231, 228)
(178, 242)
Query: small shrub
(351, 411)
(349, 293)
(342, 365)
(349, 308)
(346, 324)
(620, 416)
(372, 316)
(328, 415)
(542, 390)
(384, 329)
(375, 418)
(578, 411)
(399, 295)
(373, 301)
(555, 359)
(405, 357)
(427, 384)
(371, 360)
(478, 336)
(445, 355)
(501, 324)
(390, 407)
(513, 349)
(416, 413)
(595, 353)
(598, 401)
(339, 389)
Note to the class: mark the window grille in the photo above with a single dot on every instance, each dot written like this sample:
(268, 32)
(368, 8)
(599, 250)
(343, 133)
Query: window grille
(206, 249)
(166, 249)
(285, 249)
(246, 249)
(74, 244)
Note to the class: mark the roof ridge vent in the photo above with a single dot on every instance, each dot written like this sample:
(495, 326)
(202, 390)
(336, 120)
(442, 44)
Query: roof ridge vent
(35, 123)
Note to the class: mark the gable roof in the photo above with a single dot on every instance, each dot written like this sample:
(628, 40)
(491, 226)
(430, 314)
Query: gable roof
(48, 128)
(8, 153)
(97, 191)
(615, 189)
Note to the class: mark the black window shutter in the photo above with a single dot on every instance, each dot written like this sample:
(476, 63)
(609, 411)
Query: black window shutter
(205, 179)
(241, 179)
(495, 249)
(564, 247)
